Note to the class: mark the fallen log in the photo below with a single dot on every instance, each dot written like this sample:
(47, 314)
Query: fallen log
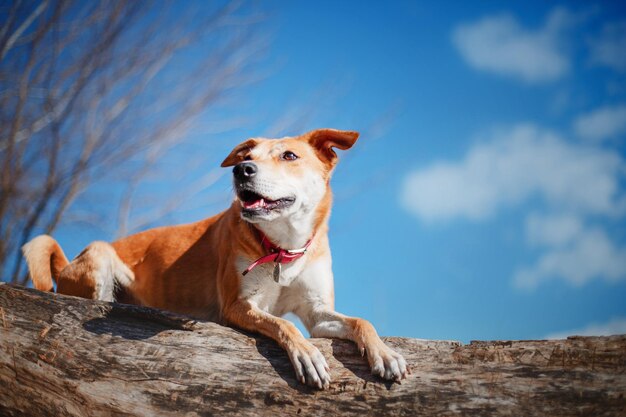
(65, 356)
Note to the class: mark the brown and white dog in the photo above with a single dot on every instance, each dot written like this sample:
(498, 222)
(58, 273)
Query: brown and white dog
(283, 201)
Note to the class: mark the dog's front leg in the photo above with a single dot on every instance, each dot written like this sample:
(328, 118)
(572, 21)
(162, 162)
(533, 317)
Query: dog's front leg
(308, 362)
(383, 360)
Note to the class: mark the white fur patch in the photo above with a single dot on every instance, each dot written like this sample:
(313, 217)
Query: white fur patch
(109, 270)
(312, 290)
(310, 287)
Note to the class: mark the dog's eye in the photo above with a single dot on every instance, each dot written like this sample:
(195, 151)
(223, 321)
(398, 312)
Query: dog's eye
(247, 158)
(289, 156)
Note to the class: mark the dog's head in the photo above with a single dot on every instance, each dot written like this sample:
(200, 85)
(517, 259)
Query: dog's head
(277, 178)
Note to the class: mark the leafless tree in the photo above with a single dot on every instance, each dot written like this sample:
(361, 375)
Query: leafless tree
(89, 89)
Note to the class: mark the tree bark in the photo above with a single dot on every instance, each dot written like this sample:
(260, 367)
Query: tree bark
(65, 356)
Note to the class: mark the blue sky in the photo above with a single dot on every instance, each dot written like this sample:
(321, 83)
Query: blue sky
(486, 198)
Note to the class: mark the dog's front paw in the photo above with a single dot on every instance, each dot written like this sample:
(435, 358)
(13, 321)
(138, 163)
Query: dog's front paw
(385, 362)
(310, 365)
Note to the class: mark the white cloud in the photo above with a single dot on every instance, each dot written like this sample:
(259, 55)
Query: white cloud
(501, 45)
(609, 49)
(555, 230)
(603, 123)
(614, 327)
(589, 254)
(515, 165)
(579, 184)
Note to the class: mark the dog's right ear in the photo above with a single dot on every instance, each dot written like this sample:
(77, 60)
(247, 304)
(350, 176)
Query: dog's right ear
(239, 153)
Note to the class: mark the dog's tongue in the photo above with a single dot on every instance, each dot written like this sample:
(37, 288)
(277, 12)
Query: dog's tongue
(254, 204)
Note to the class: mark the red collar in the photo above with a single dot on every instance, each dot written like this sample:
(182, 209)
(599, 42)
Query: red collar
(276, 254)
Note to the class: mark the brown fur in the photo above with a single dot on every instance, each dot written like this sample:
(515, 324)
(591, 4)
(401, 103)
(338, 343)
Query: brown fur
(187, 268)
(190, 268)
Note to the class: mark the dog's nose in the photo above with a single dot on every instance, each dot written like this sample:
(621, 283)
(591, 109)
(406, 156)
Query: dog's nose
(245, 171)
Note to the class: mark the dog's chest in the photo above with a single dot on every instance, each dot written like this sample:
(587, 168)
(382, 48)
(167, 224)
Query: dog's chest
(260, 288)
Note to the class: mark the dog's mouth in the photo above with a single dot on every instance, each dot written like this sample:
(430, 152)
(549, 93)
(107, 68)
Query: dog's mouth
(254, 203)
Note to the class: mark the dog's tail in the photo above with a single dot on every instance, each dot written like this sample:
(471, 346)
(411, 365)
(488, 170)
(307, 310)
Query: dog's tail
(45, 260)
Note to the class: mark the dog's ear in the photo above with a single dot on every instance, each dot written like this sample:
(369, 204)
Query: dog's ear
(240, 151)
(324, 140)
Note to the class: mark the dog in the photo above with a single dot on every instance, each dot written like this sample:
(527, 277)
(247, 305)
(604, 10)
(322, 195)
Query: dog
(265, 256)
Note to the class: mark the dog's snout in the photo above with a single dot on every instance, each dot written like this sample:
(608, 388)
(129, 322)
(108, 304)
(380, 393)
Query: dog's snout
(245, 171)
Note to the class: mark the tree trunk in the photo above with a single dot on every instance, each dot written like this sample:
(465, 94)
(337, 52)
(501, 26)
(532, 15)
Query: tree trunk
(68, 356)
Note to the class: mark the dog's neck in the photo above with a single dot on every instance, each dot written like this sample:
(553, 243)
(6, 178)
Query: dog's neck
(289, 233)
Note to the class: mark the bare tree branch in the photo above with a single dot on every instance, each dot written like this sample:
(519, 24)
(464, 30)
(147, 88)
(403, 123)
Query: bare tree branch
(91, 92)
(6, 46)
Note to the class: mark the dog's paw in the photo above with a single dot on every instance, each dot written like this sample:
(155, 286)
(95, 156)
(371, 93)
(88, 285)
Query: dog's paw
(310, 365)
(385, 362)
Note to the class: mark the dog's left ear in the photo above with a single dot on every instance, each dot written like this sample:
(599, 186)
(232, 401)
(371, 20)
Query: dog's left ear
(324, 140)
(239, 153)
